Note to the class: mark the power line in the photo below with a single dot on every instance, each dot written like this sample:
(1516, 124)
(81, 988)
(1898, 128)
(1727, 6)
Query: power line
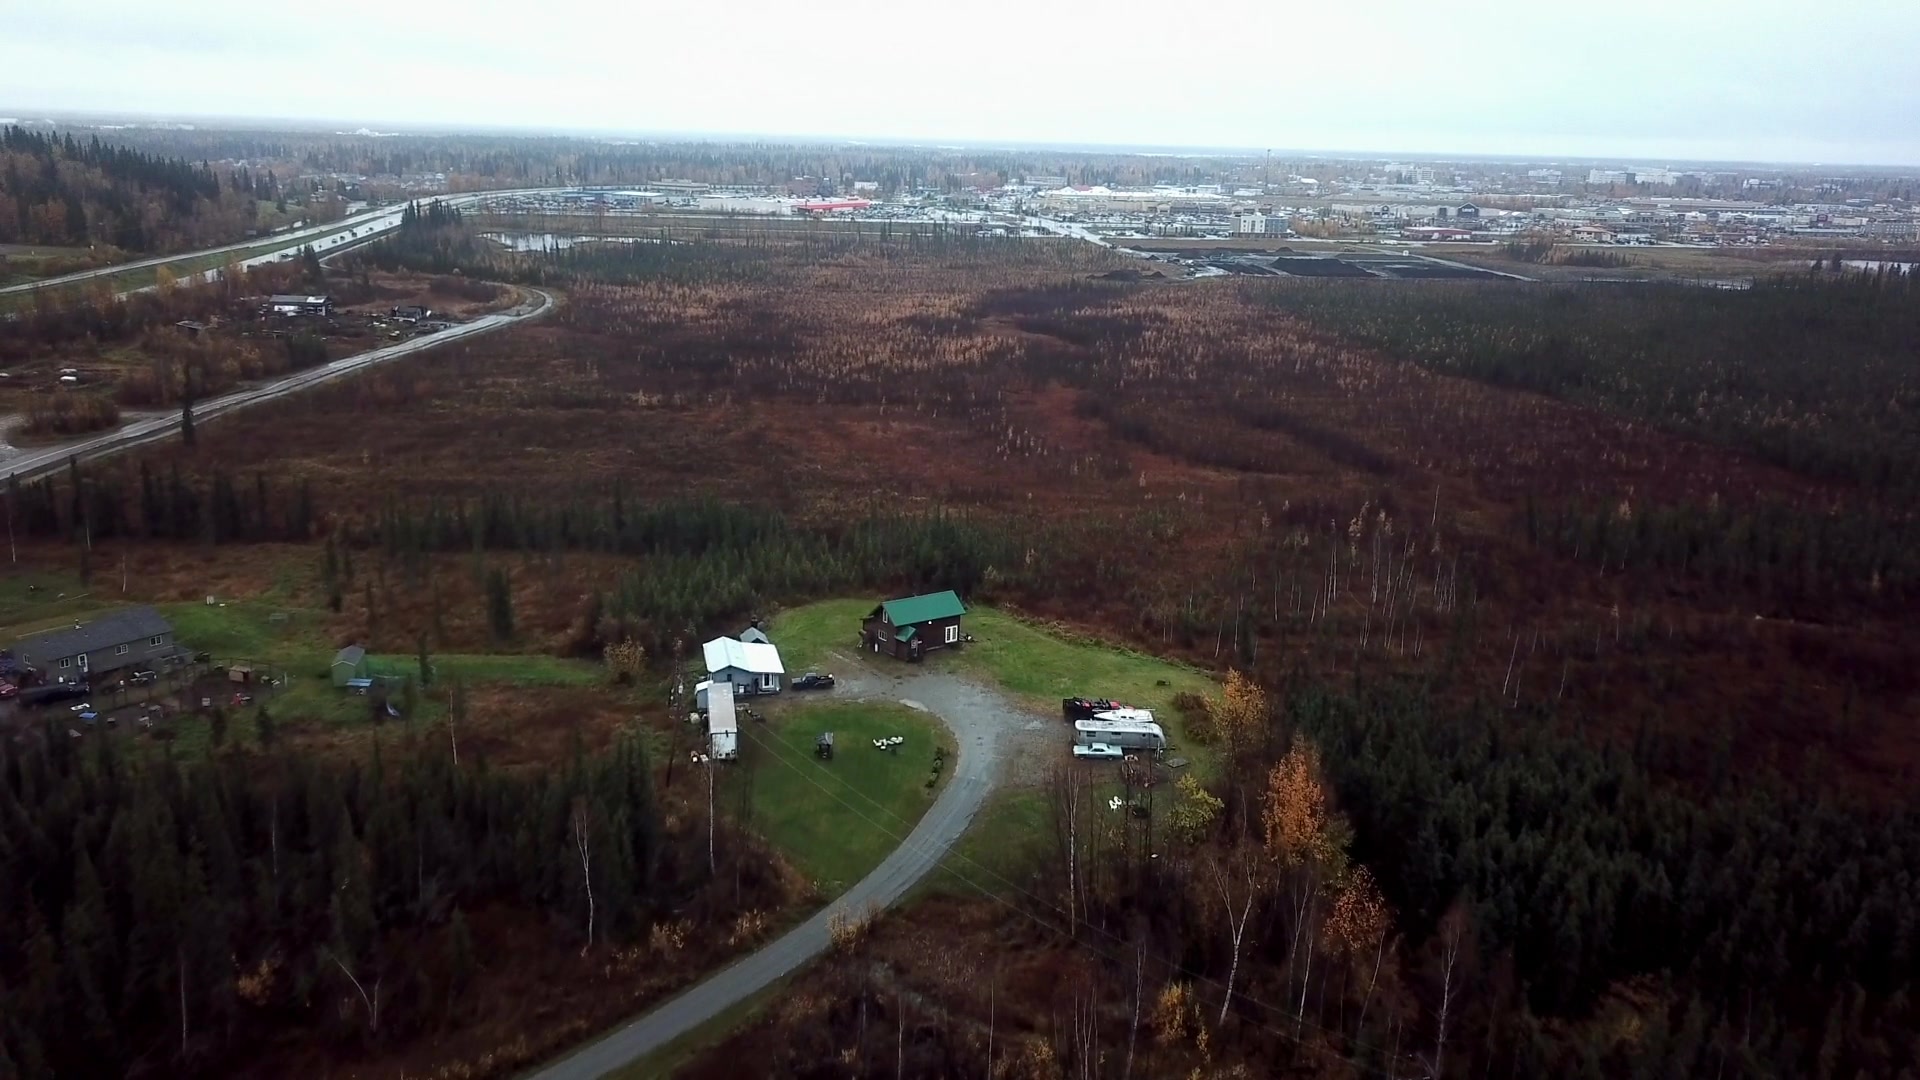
(1167, 963)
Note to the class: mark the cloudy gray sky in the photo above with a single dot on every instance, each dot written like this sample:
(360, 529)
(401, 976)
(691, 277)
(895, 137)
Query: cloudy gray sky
(1647, 79)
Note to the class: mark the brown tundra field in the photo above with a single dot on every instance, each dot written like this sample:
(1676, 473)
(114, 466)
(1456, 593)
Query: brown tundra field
(1511, 609)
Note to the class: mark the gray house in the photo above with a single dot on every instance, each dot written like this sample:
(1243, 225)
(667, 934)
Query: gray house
(752, 667)
(131, 638)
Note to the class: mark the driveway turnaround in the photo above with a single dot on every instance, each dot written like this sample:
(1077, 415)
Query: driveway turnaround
(984, 724)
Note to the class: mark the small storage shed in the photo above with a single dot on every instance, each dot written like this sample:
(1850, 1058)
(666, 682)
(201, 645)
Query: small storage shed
(911, 626)
(349, 664)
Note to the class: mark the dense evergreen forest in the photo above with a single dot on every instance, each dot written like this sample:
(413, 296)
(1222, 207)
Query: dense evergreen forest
(1819, 374)
(168, 919)
(1781, 925)
(59, 190)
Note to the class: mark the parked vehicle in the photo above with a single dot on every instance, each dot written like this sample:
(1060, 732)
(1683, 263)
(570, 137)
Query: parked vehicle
(142, 678)
(1075, 708)
(8, 690)
(1132, 734)
(50, 693)
(813, 680)
(1099, 751)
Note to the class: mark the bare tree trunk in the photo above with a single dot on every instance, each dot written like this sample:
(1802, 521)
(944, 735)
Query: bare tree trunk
(1237, 927)
(273, 835)
(993, 1004)
(1366, 1002)
(180, 958)
(900, 1042)
(371, 1002)
(1133, 1030)
(1450, 932)
(581, 844)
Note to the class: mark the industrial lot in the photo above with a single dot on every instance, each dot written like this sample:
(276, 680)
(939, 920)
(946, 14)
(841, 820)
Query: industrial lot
(1381, 202)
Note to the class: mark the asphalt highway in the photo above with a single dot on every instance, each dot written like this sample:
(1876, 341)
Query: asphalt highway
(31, 464)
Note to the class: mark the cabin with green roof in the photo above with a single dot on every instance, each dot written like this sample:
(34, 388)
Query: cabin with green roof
(912, 626)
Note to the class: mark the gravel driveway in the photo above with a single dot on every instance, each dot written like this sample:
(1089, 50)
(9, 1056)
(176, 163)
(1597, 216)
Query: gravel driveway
(992, 733)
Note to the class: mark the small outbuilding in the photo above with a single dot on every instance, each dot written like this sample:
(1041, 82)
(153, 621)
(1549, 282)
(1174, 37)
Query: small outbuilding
(349, 664)
(910, 627)
(754, 635)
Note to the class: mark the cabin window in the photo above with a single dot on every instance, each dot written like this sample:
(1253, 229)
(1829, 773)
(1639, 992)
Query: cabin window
(154, 640)
(770, 682)
(119, 650)
(953, 634)
(66, 661)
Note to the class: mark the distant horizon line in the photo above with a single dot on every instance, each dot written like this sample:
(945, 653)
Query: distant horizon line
(95, 117)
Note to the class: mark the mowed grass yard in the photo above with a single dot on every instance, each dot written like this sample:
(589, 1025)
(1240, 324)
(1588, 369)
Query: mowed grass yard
(283, 639)
(1036, 664)
(835, 819)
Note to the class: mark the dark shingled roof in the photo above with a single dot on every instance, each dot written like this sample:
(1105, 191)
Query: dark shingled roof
(115, 628)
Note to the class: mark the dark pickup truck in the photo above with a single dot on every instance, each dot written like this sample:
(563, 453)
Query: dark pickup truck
(51, 692)
(1076, 708)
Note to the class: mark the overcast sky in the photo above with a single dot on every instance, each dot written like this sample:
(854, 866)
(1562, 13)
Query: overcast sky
(1766, 80)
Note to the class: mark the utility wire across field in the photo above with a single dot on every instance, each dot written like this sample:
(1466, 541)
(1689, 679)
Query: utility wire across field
(1096, 950)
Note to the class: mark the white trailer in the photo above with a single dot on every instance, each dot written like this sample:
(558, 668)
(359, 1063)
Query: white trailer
(1131, 734)
(1126, 716)
(723, 730)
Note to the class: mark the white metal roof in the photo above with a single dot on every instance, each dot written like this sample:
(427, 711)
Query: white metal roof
(1126, 716)
(751, 656)
(720, 709)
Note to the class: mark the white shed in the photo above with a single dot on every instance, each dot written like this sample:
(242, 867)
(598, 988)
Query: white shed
(750, 667)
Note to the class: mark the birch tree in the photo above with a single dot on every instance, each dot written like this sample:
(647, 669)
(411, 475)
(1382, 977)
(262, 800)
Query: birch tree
(582, 823)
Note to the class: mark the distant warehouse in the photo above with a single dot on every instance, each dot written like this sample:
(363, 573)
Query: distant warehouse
(300, 305)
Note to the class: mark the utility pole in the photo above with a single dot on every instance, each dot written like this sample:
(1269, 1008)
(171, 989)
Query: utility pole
(707, 760)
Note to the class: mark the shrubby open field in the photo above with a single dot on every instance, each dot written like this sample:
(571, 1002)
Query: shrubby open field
(1583, 622)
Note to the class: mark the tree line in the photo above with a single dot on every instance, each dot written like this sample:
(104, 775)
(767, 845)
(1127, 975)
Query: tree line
(58, 190)
(1813, 373)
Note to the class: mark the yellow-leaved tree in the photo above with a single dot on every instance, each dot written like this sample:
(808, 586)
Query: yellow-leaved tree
(1308, 842)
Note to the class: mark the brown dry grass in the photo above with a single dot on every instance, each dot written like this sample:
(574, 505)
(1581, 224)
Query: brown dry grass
(1209, 430)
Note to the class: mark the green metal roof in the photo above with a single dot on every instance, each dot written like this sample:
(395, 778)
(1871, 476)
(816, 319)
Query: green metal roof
(919, 609)
(905, 633)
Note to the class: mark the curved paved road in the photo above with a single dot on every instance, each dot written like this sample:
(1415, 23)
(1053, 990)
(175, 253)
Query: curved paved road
(984, 724)
(29, 464)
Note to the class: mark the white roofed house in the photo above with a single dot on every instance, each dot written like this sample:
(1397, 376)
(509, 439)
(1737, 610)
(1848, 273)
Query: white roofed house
(752, 667)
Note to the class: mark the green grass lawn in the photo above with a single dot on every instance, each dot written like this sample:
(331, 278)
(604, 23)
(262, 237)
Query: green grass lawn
(1037, 665)
(282, 639)
(835, 819)
(995, 852)
(31, 602)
